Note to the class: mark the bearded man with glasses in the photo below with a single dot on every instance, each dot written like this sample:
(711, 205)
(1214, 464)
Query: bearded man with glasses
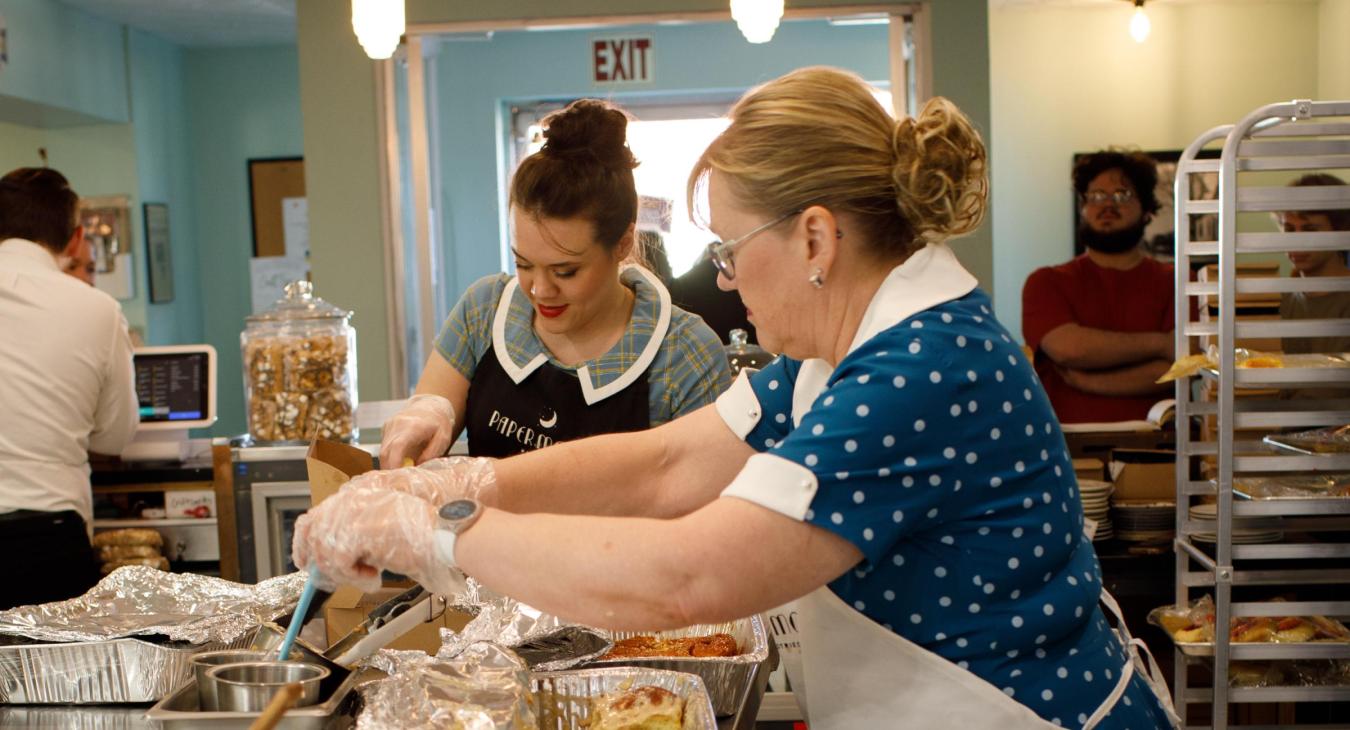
(1100, 326)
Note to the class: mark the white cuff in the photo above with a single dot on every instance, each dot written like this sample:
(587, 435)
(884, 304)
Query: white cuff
(444, 540)
(739, 407)
(775, 483)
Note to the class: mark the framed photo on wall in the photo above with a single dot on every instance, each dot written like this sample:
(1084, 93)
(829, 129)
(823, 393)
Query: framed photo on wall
(158, 253)
(1159, 236)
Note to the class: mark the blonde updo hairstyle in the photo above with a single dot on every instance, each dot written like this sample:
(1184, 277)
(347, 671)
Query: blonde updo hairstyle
(817, 136)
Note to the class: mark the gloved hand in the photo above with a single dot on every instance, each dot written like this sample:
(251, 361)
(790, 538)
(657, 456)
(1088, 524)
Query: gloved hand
(356, 533)
(437, 481)
(420, 432)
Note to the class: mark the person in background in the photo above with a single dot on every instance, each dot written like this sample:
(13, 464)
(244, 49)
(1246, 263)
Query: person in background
(80, 262)
(1316, 305)
(651, 252)
(66, 389)
(898, 470)
(577, 343)
(1100, 326)
(696, 290)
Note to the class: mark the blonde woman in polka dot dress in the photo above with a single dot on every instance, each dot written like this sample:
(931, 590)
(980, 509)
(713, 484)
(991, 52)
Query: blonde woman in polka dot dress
(898, 471)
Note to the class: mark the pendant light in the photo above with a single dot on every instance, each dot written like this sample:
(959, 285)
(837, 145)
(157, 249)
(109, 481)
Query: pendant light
(757, 19)
(1139, 25)
(379, 25)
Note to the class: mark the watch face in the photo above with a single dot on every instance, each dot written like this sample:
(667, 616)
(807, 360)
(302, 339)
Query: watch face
(458, 509)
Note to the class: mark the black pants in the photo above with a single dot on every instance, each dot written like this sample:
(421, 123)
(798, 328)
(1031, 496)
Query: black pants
(44, 556)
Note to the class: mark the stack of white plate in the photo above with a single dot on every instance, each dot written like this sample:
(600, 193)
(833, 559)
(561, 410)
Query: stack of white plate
(1252, 532)
(1144, 521)
(1097, 506)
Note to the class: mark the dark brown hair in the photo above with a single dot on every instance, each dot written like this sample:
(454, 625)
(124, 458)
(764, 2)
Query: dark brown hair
(37, 204)
(1339, 219)
(1138, 168)
(585, 170)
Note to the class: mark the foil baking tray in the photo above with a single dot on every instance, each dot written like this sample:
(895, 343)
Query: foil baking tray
(728, 679)
(563, 699)
(103, 672)
(336, 708)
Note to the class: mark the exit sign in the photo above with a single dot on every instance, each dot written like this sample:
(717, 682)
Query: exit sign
(621, 60)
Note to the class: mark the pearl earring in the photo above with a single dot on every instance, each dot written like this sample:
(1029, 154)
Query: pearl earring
(816, 278)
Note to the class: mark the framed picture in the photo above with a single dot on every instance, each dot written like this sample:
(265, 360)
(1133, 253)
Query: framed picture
(158, 253)
(1159, 237)
(271, 181)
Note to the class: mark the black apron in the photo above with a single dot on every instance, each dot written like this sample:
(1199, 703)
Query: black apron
(505, 418)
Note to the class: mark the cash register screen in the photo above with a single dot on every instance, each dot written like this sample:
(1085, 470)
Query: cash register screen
(173, 387)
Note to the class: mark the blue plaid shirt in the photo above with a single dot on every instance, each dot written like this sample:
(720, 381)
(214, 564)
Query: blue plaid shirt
(690, 369)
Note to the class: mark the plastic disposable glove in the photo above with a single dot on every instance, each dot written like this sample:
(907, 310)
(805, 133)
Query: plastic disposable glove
(360, 531)
(420, 432)
(437, 481)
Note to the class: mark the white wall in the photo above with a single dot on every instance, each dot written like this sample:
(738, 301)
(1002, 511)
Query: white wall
(1333, 49)
(1069, 79)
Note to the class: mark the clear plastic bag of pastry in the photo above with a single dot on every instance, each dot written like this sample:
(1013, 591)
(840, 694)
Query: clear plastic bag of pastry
(1252, 359)
(300, 370)
(1194, 624)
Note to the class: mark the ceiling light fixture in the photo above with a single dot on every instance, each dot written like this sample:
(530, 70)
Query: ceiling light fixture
(1139, 25)
(379, 25)
(757, 19)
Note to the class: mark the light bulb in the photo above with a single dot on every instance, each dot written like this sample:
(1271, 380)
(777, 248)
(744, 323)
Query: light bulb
(1139, 25)
(757, 19)
(379, 24)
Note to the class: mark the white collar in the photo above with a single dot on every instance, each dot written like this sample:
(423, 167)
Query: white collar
(930, 276)
(603, 376)
(36, 253)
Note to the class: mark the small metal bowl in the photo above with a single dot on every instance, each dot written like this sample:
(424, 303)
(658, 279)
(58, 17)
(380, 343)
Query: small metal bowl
(206, 687)
(250, 686)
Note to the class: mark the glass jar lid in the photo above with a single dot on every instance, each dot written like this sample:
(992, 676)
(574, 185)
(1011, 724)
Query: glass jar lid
(299, 303)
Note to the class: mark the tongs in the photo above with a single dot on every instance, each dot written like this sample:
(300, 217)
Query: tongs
(386, 622)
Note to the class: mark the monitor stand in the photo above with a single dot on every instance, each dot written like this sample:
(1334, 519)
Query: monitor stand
(158, 445)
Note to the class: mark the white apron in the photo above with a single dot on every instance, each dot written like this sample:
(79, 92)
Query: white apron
(851, 672)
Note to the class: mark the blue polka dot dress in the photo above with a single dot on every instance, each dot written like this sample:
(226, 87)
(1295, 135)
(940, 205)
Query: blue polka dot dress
(938, 455)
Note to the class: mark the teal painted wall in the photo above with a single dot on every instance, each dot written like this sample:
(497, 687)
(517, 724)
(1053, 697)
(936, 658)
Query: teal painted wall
(65, 67)
(476, 79)
(164, 174)
(242, 103)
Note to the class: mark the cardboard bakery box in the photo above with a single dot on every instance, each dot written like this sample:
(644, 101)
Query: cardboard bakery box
(1143, 475)
(349, 607)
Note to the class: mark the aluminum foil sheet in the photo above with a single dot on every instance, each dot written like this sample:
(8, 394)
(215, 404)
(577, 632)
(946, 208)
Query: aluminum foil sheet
(728, 679)
(138, 600)
(115, 671)
(484, 687)
(563, 699)
(546, 642)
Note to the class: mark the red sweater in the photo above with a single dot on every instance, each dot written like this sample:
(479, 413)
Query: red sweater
(1083, 293)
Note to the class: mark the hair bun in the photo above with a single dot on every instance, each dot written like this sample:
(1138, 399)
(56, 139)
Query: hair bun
(589, 127)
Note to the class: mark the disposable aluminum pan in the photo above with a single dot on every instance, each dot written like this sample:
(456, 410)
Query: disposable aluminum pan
(728, 679)
(96, 672)
(181, 710)
(563, 699)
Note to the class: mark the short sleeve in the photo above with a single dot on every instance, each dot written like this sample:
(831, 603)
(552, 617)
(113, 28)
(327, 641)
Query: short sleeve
(698, 367)
(880, 477)
(758, 405)
(1045, 306)
(467, 332)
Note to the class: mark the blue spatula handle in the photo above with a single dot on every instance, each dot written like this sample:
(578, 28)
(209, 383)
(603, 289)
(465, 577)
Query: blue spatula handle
(301, 608)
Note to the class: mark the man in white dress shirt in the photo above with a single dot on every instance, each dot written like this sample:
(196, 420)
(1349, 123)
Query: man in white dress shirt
(66, 389)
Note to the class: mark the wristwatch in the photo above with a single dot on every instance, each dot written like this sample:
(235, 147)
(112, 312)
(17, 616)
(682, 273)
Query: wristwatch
(454, 517)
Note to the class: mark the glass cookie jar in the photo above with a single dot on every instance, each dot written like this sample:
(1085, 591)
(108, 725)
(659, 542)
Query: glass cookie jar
(300, 370)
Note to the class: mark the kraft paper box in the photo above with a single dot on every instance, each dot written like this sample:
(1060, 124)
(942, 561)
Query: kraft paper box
(349, 607)
(1144, 475)
(330, 465)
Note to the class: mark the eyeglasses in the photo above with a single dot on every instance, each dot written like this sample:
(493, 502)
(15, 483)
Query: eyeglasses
(1101, 197)
(722, 252)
